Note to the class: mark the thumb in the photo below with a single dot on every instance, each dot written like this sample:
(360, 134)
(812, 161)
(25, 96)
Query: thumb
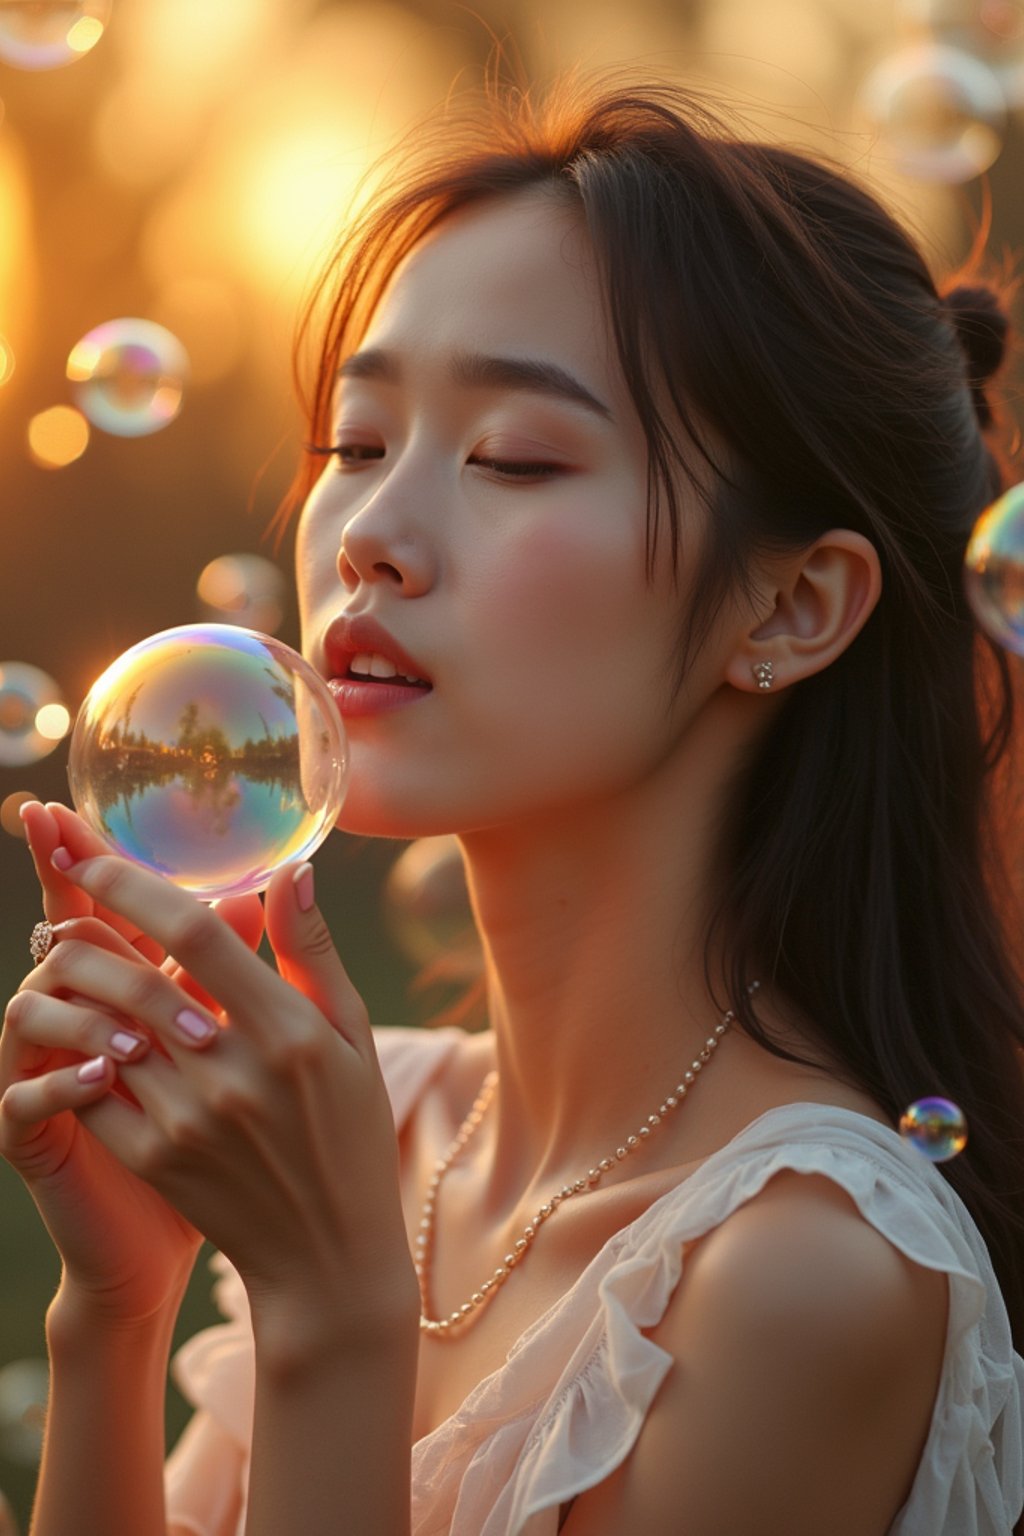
(306, 956)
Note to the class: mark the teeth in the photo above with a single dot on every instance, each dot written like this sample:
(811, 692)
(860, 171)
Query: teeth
(374, 665)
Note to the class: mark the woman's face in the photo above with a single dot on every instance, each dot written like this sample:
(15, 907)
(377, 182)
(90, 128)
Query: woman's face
(492, 521)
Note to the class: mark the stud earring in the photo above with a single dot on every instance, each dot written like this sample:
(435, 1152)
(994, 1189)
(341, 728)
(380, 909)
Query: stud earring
(764, 671)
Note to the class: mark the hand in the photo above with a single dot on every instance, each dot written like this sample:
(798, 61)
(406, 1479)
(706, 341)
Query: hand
(274, 1137)
(124, 1249)
(52, 826)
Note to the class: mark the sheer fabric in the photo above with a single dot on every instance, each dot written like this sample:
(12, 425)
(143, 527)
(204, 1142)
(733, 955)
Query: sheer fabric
(568, 1404)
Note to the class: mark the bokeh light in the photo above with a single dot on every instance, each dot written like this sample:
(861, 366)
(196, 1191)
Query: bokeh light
(936, 1127)
(24, 1387)
(10, 821)
(26, 692)
(426, 903)
(940, 111)
(994, 570)
(47, 34)
(57, 437)
(211, 754)
(6, 360)
(244, 589)
(128, 376)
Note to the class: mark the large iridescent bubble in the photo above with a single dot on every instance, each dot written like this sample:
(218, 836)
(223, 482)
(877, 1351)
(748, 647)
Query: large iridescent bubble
(936, 1127)
(941, 112)
(128, 376)
(994, 570)
(46, 34)
(211, 754)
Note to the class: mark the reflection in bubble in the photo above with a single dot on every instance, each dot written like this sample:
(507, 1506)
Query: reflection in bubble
(427, 906)
(244, 589)
(128, 376)
(994, 570)
(46, 34)
(25, 692)
(936, 1127)
(211, 754)
(24, 1385)
(940, 111)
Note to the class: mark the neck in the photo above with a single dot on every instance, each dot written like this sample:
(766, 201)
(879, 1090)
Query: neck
(594, 936)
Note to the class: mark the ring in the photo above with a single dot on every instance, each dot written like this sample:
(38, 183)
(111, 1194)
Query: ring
(41, 941)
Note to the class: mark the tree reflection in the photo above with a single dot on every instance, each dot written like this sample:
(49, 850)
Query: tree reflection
(125, 763)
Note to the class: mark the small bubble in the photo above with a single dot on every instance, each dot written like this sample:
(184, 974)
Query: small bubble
(936, 1127)
(244, 589)
(128, 376)
(940, 111)
(427, 908)
(25, 693)
(994, 570)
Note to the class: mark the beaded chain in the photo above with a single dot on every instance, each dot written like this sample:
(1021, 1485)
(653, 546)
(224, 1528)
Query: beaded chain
(470, 1310)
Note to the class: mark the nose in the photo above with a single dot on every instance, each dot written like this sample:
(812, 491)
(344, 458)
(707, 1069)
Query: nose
(381, 543)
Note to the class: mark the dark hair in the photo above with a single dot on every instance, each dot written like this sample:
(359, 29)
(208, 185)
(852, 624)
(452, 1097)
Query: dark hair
(791, 319)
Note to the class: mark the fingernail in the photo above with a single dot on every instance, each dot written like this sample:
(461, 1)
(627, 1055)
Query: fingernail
(304, 892)
(125, 1043)
(92, 1071)
(23, 807)
(193, 1026)
(61, 859)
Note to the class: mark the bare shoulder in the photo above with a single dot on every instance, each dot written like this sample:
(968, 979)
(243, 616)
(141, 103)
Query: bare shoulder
(807, 1355)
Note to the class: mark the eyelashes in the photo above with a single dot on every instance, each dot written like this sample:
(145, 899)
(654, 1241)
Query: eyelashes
(519, 469)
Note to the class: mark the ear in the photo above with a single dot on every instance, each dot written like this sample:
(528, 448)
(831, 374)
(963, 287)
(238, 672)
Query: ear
(820, 601)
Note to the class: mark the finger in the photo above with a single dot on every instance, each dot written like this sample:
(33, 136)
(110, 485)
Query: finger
(56, 1023)
(243, 914)
(83, 843)
(210, 951)
(60, 899)
(306, 956)
(34, 1099)
(132, 988)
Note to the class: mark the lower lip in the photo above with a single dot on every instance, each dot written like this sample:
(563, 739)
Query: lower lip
(357, 698)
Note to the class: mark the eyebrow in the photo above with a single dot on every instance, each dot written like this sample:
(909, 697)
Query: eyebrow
(474, 370)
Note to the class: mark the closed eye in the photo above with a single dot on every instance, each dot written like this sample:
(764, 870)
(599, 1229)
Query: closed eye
(352, 454)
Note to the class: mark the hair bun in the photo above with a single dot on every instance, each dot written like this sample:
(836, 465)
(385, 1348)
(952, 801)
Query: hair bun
(982, 326)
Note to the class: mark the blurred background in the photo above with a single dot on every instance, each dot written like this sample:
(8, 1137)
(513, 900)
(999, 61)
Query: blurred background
(172, 173)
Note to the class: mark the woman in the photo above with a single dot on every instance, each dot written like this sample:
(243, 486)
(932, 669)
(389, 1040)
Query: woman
(648, 1253)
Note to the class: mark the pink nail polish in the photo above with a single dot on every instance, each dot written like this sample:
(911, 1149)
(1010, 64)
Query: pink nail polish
(92, 1071)
(193, 1026)
(305, 894)
(61, 859)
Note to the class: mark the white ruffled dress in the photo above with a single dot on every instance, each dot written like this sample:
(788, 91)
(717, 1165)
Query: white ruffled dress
(567, 1406)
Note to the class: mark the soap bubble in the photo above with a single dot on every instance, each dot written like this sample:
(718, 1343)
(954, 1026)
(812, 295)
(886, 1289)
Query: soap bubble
(991, 30)
(45, 34)
(211, 754)
(427, 906)
(29, 724)
(935, 1127)
(244, 589)
(24, 1385)
(994, 570)
(128, 376)
(941, 111)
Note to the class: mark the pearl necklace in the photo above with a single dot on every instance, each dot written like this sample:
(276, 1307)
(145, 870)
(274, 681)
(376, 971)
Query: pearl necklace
(470, 1310)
